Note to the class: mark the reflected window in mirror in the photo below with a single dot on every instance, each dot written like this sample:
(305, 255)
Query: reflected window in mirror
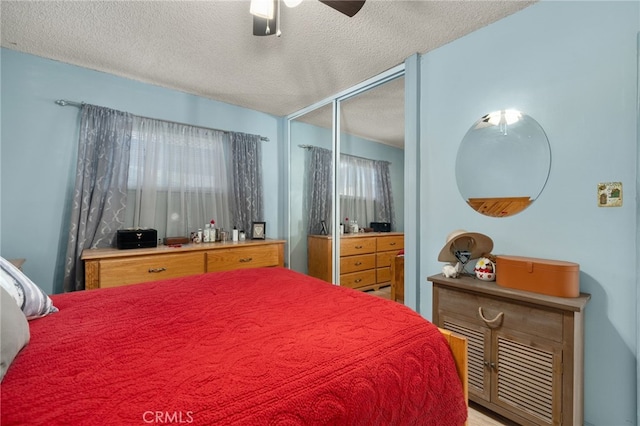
(503, 163)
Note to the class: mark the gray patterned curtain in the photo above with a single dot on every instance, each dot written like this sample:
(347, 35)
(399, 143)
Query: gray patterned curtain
(246, 161)
(319, 193)
(100, 193)
(384, 211)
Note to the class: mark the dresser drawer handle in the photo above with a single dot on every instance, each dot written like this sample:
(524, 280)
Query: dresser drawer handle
(246, 259)
(358, 247)
(358, 280)
(392, 244)
(156, 270)
(358, 263)
(490, 322)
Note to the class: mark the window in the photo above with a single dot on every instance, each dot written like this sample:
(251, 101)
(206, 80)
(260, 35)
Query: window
(358, 188)
(178, 178)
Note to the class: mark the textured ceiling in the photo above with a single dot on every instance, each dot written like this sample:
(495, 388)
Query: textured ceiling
(207, 48)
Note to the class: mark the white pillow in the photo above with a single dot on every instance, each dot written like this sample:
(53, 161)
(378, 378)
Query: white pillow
(30, 298)
(14, 331)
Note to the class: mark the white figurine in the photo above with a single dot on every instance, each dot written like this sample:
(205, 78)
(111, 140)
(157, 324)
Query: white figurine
(450, 271)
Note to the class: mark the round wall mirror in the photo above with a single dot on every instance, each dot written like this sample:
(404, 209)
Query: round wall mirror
(503, 163)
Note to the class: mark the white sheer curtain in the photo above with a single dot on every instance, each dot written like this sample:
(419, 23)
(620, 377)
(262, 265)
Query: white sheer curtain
(357, 189)
(178, 177)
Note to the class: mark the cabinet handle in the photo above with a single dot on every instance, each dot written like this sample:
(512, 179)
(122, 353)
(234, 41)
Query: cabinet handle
(156, 270)
(491, 365)
(358, 280)
(358, 247)
(246, 259)
(358, 263)
(392, 244)
(490, 322)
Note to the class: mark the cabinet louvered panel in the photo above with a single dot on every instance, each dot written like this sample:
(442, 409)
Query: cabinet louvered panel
(525, 378)
(475, 352)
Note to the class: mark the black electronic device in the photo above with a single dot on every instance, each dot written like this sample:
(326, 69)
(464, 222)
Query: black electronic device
(136, 238)
(381, 226)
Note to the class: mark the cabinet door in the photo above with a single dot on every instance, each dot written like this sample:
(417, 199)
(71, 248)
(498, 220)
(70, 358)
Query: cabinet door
(479, 355)
(527, 378)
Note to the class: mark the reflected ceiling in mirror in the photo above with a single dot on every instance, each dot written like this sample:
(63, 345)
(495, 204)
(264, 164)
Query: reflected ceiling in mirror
(503, 163)
(376, 114)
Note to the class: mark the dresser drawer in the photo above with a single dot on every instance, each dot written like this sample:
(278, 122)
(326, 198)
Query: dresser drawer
(358, 279)
(395, 242)
(384, 259)
(500, 314)
(243, 257)
(357, 263)
(351, 246)
(138, 269)
(383, 275)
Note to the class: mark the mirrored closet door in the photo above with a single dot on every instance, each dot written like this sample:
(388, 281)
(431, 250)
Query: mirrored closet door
(342, 152)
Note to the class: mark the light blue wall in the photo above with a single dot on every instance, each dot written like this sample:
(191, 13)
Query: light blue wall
(572, 66)
(39, 144)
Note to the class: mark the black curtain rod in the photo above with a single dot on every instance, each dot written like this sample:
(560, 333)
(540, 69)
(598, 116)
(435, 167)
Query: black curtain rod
(64, 102)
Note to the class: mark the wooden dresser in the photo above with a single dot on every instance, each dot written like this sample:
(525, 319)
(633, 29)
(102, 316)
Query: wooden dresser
(525, 349)
(111, 267)
(365, 258)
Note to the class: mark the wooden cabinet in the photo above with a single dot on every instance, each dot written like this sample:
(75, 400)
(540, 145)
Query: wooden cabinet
(365, 259)
(525, 349)
(112, 267)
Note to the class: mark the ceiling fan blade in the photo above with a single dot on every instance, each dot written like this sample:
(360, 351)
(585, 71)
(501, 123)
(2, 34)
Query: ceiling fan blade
(348, 7)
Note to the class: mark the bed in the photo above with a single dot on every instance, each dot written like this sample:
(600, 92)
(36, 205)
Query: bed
(265, 346)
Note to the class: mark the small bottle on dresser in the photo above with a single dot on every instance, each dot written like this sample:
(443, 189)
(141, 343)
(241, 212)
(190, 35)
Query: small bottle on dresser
(206, 237)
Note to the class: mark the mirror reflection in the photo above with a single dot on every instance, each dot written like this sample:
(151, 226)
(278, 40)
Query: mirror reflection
(503, 163)
(370, 183)
(305, 132)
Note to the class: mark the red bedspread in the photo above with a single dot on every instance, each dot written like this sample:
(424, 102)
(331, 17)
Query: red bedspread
(250, 347)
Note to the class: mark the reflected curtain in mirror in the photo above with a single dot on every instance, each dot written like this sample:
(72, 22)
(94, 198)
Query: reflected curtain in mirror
(365, 190)
(319, 192)
(364, 187)
(100, 193)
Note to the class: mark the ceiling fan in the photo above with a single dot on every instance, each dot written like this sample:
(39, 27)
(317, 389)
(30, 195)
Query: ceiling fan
(266, 12)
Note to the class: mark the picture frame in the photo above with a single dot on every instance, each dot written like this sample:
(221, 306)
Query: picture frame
(258, 230)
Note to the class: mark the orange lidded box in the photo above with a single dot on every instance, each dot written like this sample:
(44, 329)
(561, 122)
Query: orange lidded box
(550, 277)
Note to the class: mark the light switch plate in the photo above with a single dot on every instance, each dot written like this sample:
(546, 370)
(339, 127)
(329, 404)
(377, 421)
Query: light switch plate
(610, 194)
